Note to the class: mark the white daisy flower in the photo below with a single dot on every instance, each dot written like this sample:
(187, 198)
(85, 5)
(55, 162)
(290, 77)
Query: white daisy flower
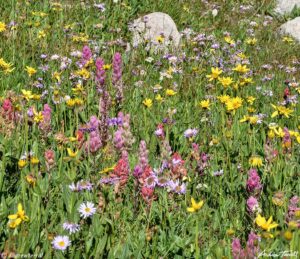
(61, 243)
(87, 209)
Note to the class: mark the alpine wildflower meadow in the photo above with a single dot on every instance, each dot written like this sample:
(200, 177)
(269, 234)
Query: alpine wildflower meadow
(110, 149)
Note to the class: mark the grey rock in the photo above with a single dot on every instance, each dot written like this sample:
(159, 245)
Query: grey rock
(291, 28)
(286, 6)
(151, 26)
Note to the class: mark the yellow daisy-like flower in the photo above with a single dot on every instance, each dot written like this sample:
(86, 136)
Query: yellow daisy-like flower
(107, 169)
(195, 205)
(205, 104)
(265, 224)
(215, 73)
(225, 81)
(241, 68)
(18, 218)
(22, 163)
(256, 161)
(148, 102)
(281, 110)
(27, 94)
(30, 71)
(38, 117)
(159, 98)
(234, 103)
(224, 98)
(71, 153)
(170, 92)
(229, 40)
(2, 26)
(288, 39)
(84, 73)
(34, 160)
(6, 67)
(160, 39)
(251, 41)
(250, 100)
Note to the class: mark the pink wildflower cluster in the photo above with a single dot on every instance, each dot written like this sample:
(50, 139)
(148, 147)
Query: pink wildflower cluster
(250, 251)
(123, 138)
(45, 125)
(294, 207)
(254, 187)
(93, 144)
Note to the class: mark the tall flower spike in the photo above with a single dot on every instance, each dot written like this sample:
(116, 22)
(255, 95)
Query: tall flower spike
(45, 124)
(117, 77)
(104, 104)
(100, 74)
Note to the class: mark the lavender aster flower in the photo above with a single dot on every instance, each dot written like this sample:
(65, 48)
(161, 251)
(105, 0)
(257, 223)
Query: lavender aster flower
(71, 227)
(189, 133)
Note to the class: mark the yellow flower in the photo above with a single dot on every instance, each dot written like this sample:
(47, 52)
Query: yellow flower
(230, 232)
(281, 110)
(2, 26)
(148, 102)
(78, 101)
(253, 119)
(84, 73)
(160, 39)
(241, 68)
(195, 205)
(34, 160)
(229, 40)
(255, 161)
(70, 102)
(279, 132)
(288, 39)
(41, 34)
(22, 163)
(30, 179)
(71, 153)
(16, 219)
(170, 92)
(215, 72)
(107, 66)
(225, 81)
(251, 99)
(6, 67)
(288, 235)
(264, 224)
(78, 89)
(56, 75)
(107, 170)
(251, 41)
(242, 55)
(234, 103)
(205, 104)
(38, 117)
(271, 134)
(224, 98)
(251, 109)
(246, 80)
(158, 98)
(30, 70)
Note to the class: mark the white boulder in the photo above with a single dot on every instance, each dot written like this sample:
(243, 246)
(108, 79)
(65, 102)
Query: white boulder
(286, 6)
(157, 29)
(291, 28)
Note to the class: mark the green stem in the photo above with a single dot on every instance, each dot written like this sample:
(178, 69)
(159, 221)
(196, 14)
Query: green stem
(197, 256)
